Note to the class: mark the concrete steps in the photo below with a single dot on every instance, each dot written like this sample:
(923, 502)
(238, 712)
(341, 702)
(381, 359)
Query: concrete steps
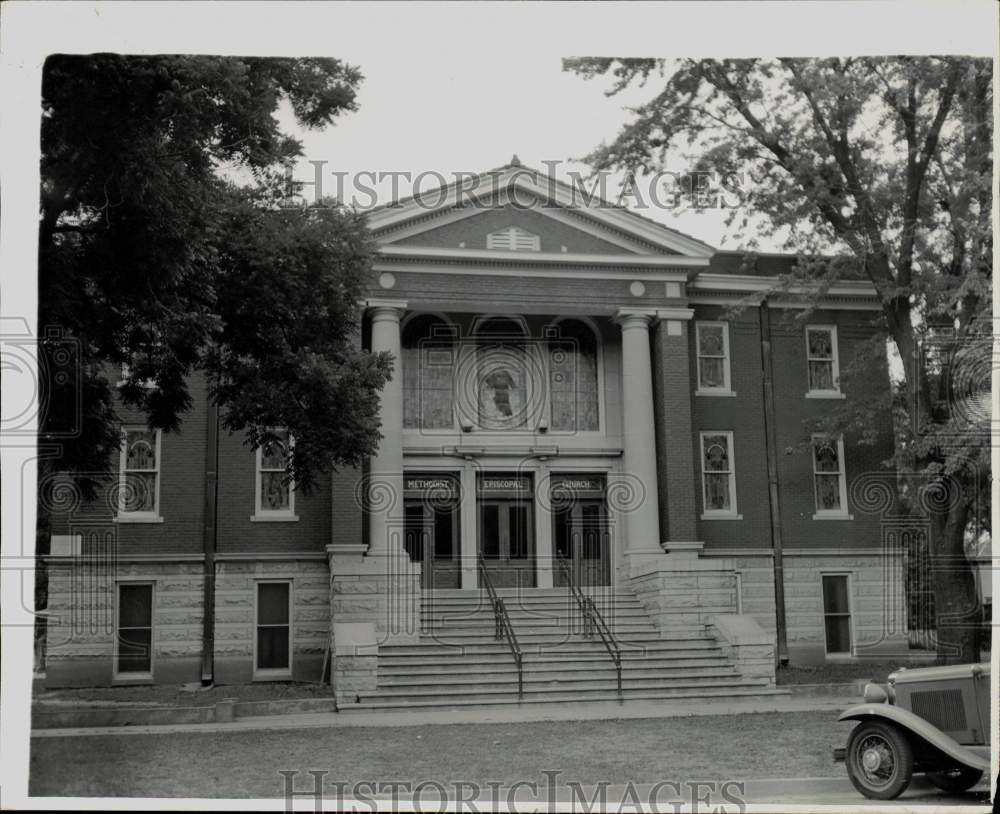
(458, 662)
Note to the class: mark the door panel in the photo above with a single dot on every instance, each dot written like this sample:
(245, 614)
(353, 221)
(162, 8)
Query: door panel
(507, 542)
(582, 536)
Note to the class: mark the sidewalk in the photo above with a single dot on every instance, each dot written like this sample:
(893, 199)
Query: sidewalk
(481, 714)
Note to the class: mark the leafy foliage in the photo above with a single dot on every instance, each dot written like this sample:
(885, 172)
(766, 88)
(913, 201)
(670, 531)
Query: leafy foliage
(874, 166)
(151, 255)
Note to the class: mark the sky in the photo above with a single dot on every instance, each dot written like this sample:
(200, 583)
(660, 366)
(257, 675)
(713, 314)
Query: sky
(448, 115)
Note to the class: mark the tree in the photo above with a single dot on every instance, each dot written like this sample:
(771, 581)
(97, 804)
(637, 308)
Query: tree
(882, 166)
(150, 254)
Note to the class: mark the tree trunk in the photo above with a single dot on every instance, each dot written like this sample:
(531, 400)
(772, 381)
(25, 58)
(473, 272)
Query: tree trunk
(958, 610)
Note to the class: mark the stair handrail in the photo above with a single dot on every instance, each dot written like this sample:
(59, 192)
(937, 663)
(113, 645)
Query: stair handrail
(592, 618)
(503, 627)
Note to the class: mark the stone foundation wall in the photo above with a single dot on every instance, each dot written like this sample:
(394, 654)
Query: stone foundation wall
(878, 604)
(234, 615)
(683, 589)
(81, 625)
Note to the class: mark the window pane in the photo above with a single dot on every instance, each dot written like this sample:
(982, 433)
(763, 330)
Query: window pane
(820, 344)
(140, 492)
(135, 606)
(716, 492)
(413, 531)
(838, 634)
(274, 495)
(716, 453)
(135, 650)
(828, 492)
(593, 530)
(573, 386)
(835, 598)
(518, 519)
(140, 450)
(827, 457)
(272, 603)
(821, 376)
(272, 648)
(274, 455)
(711, 372)
(562, 532)
(491, 531)
(711, 341)
(444, 525)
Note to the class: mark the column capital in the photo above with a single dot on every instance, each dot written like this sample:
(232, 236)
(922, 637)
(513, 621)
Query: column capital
(635, 317)
(385, 308)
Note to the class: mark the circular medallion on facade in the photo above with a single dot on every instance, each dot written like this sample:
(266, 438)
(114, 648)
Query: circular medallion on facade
(637, 288)
(387, 279)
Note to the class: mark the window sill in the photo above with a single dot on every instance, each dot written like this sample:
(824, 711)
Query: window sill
(716, 393)
(825, 394)
(274, 518)
(721, 516)
(272, 675)
(150, 518)
(132, 678)
(832, 516)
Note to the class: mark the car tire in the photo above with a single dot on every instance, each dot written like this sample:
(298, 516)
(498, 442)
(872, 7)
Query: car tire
(955, 780)
(879, 760)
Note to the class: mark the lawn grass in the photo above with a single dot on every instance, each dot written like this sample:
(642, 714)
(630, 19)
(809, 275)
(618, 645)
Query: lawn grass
(246, 764)
(180, 695)
(844, 671)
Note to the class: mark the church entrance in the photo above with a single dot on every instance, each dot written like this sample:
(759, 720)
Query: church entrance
(507, 529)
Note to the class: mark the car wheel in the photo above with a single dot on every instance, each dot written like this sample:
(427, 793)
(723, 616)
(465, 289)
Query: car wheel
(879, 760)
(955, 780)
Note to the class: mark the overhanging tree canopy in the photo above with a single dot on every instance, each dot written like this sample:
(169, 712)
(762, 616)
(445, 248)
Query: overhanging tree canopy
(886, 161)
(149, 256)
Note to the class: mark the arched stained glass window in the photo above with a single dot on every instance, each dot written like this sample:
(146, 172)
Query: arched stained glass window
(428, 373)
(504, 388)
(573, 377)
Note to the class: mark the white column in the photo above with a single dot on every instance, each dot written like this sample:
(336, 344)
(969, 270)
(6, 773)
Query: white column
(469, 514)
(385, 489)
(642, 519)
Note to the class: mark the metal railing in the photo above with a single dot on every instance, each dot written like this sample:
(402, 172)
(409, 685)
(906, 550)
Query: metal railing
(592, 619)
(503, 629)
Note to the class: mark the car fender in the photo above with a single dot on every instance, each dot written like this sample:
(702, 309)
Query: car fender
(909, 722)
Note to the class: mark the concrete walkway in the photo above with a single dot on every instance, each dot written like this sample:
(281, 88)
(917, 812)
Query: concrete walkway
(480, 715)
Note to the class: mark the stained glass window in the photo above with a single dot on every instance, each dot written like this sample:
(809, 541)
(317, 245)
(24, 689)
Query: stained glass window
(573, 381)
(428, 374)
(821, 349)
(717, 472)
(274, 490)
(828, 473)
(140, 471)
(713, 355)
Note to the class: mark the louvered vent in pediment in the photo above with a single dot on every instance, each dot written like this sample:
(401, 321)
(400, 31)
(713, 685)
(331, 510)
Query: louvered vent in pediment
(513, 239)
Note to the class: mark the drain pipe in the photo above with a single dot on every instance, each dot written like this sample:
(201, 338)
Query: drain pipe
(211, 526)
(771, 453)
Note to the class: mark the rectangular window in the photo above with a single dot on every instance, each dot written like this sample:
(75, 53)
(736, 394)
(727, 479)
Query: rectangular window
(829, 476)
(134, 634)
(275, 493)
(273, 637)
(139, 474)
(718, 475)
(837, 613)
(821, 355)
(713, 357)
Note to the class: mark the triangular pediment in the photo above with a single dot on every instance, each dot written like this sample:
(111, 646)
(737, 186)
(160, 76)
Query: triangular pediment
(474, 215)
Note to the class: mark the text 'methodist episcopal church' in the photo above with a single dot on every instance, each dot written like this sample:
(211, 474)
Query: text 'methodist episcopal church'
(577, 426)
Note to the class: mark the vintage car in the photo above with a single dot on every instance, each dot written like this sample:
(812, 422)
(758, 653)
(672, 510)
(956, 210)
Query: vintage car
(934, 720)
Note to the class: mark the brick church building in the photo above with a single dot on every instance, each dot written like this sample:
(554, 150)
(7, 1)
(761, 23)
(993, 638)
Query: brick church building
(595, 480)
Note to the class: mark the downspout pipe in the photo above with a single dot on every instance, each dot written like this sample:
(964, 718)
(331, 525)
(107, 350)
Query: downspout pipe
(773, 494)
(210, 539)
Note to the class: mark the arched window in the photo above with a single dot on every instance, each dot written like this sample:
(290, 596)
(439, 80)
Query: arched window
(428, 373)
(573, 393)
(504, 385)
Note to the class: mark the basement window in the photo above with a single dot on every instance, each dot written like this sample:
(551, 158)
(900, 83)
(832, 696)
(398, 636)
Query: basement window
(273, 635)
(134, 631)
(837, 614)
